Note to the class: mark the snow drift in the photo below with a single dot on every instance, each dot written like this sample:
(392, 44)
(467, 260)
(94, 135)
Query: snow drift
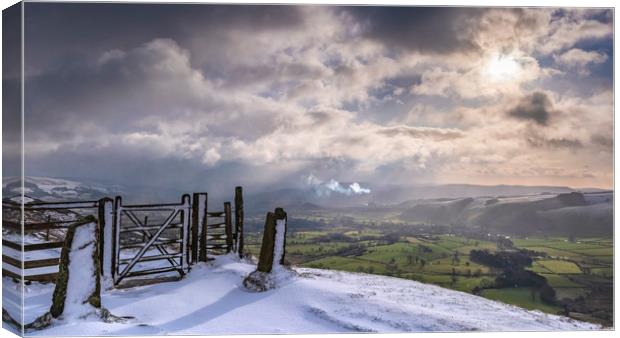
(212, 300)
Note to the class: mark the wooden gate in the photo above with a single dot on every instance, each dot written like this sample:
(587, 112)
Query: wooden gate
(162, 240)
(150, 239)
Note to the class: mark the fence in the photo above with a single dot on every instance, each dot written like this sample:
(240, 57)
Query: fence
(40, 254)
(134, 240)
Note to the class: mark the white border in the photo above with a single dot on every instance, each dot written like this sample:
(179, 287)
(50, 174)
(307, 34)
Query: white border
(482, 3)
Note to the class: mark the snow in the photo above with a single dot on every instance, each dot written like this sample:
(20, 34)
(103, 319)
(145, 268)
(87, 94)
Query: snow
(278, 250)
(82, 272)
(31, 255)
(212, 300)
(31, 271)
(12, 299)
(49, 184)
(20, 198)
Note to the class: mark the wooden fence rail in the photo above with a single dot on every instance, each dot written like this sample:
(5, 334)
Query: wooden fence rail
(52, 247)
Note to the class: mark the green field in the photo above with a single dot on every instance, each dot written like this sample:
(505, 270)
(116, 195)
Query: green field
(559, 281)
(521, 297)
(571, 269)
(559, 267)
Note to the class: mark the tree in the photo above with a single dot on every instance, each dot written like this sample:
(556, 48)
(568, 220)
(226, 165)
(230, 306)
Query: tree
(453, 277)
(485, 283)
(547, 294)
(455, 258)
(504, 243)
(422, 263)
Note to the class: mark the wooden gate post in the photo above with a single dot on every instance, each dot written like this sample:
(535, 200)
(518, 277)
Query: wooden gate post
(199, 216)
(203, 229)
(239, 220)
(116, 251)
(228, 225)
(185, 221)
(195, 226)
(106, 237)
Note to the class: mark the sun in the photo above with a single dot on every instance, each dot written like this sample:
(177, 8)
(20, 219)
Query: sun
(502, 68)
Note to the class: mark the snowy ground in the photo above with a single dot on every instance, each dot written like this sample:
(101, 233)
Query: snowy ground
(212, 300)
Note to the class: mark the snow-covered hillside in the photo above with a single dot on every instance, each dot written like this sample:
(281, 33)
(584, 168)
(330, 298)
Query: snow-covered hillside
(212, 300)
(56, 189)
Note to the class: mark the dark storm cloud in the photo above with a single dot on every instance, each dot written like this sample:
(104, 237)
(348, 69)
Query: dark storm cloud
(424, 29)
(151, 178)
(68, 85)
(58, 31)
(11, 90)
(133, 91)
(536, 107)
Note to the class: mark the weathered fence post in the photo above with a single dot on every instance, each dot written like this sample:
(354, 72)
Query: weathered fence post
(106, 237)
(199, 209)
(274, 237)
(228, 225)
(203, 230)
(272, 250)
(118, 207)
(239, 220)
(185, 221)
(195, 225)
(47, 230)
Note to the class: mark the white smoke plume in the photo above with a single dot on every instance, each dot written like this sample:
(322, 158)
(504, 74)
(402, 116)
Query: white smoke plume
(332, 186)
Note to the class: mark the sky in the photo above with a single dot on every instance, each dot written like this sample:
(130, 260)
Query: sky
(277, 96)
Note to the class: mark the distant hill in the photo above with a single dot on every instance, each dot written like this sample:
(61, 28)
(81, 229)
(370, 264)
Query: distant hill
(516, 209)
(393, 194)
(574, 212)
(79, 189)
(399, 196)
(56, 189)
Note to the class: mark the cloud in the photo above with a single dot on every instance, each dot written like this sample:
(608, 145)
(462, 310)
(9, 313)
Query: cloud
(423, 29)
(536, 107)
(437, 134)
(332, 186)
(579, 59)
(265, 94)
(555, 142)
(571, 28)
